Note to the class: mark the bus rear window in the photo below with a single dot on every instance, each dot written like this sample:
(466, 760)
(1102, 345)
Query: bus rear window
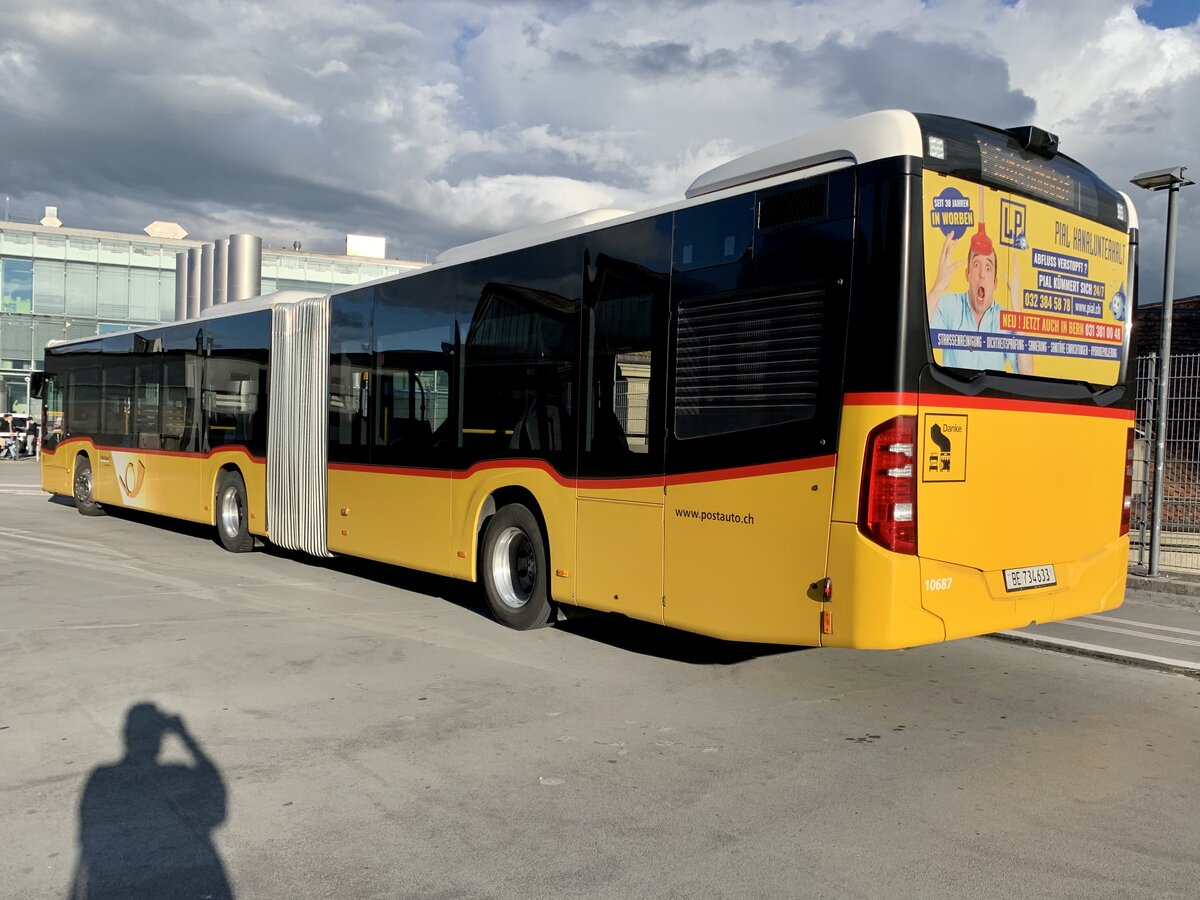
(998, 159)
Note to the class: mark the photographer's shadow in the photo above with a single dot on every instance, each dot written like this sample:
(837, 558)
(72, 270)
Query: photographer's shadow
(145, 827)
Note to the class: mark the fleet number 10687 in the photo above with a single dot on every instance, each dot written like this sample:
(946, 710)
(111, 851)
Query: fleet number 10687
(938, 584)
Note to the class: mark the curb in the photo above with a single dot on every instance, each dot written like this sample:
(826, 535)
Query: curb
(1092, 651)
(1177, 583)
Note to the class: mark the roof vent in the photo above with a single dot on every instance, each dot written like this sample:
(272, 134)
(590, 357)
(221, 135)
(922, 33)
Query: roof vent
(168, 230)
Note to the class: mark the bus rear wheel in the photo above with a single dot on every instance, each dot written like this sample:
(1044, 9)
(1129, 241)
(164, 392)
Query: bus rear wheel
(233, 526)
(515, 570)
(82, 489)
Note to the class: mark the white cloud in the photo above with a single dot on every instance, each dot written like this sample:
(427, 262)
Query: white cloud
(442, 123)
(332, 67)
(68, 28)
(225, 95)
(494, 203)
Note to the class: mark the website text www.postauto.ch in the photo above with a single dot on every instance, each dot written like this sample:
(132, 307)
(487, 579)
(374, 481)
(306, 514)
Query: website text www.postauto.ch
(707, 516)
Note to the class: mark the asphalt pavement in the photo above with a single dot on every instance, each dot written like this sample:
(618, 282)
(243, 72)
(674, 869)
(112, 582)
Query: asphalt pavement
(180, 721)
(1158, 625)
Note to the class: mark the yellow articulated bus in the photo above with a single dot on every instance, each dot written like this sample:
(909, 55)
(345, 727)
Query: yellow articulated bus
(865, 388)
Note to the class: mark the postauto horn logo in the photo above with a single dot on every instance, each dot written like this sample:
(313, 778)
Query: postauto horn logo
(132, 479)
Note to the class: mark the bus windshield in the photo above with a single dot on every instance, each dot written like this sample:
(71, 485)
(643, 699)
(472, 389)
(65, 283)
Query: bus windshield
(1027, 262)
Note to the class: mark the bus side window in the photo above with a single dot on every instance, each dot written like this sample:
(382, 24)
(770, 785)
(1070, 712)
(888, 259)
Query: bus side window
(414, 358)
(147, 397)
(174, 404)
(622, 351)
(519, 372)
(234, 396)
(413, 405)
(83, 401)
(179, 395)
(350, 387)
(116, 411)
(52, 403)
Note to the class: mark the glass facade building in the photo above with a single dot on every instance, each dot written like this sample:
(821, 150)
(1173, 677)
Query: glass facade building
(58, 283)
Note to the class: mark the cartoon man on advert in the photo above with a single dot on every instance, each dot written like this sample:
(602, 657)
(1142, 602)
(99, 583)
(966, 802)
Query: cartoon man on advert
(976, 309)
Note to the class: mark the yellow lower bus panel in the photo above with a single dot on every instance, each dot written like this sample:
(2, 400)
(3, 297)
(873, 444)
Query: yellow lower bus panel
(397, 519)
(742, 553)
(885, 600)
(55, 479)
(876, 601)
(737, 558)
(973, 602)
(171, 484)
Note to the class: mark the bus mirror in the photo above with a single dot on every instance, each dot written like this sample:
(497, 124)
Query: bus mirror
(37, 381)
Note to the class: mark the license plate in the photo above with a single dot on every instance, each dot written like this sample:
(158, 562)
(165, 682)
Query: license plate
(1029, 577)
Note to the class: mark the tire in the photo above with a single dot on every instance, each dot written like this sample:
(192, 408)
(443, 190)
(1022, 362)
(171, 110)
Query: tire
(229, 510)
(515, 569)
(82, 489)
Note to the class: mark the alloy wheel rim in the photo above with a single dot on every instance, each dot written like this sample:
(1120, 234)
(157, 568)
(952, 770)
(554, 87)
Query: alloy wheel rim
(231, 512)
(83, 485)
(514, 568)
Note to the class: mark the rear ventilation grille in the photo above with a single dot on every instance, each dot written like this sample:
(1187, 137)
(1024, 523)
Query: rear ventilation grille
(799, 205)
(747, 362)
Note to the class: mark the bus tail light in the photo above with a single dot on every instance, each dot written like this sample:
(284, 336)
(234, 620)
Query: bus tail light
(887, 510)
(1127, 501)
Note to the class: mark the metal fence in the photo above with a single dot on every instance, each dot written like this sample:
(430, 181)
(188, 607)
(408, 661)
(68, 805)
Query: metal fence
(1179, 546)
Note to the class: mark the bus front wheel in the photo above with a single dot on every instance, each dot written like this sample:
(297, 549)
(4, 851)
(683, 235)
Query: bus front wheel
(233, 526)
(84, 502)
(515, 570)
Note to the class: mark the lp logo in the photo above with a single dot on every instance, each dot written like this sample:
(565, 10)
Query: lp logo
(1012, 224)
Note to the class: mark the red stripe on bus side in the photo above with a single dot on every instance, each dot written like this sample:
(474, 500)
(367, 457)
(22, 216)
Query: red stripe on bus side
(182, 454)
(780, 468)
(1034, 406)
(949, 401)
(644, 481)
(880, 398)
(392, 470)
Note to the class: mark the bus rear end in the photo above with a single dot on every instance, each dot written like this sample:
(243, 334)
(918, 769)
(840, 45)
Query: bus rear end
(1042, 534)
(994, 484)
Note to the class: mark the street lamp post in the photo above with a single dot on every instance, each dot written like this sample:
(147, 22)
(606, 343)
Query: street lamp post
(1170, 180)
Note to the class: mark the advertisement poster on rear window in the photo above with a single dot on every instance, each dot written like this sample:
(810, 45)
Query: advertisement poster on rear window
(1014, 285)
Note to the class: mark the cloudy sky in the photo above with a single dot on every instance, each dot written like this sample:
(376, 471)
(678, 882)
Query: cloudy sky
(439, 122)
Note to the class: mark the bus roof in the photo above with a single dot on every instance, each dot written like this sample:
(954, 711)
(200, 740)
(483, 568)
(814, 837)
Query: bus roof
(531, 235)
(264, 301)
(876, 135)
(235, 308)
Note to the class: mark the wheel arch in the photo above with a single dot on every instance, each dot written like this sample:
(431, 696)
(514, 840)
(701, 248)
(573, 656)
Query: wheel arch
(495, 501)
(232, 526)
(87, 453)
(84, 452)
(228, 466)
(92, 506)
